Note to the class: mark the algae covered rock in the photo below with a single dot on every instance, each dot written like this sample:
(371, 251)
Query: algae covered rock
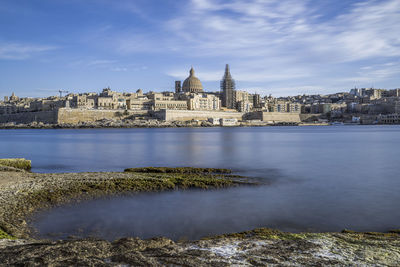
(188, 170)
(18, 163)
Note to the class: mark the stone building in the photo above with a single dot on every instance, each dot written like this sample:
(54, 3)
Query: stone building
(293, 107)
(192, 84)
(397, 107)
(203, 102)
(84, 101)
(165, 96)
(389, 119)
(139, 104)
(170, 104)
(106, 102)
(228, 90)
(244, 106)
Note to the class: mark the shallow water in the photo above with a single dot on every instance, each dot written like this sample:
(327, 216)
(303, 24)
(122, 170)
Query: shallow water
(319, 179)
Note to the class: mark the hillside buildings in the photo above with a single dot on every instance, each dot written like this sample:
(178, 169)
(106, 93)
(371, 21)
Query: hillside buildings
(190, 101)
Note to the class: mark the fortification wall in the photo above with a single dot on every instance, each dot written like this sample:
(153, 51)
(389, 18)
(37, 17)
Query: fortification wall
(280, 117)
(28, 117)
(73, 116)
(187, 115)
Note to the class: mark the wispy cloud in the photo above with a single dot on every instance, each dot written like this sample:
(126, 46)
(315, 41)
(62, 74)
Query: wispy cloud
(273, 45)
(288, 28)
(119, 69)
(289, 39)
(101, 62)
(16, 51)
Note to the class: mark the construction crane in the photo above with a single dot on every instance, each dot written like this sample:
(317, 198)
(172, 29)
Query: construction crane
(61, 92)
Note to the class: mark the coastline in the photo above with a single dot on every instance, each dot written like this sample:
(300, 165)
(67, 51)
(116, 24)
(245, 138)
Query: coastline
(22, 192)
(150, 124)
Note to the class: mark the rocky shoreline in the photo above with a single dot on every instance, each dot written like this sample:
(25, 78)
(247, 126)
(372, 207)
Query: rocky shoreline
(22, 192)
(126, 123)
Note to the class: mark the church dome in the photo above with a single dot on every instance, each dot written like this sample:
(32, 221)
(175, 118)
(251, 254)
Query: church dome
(192, 84)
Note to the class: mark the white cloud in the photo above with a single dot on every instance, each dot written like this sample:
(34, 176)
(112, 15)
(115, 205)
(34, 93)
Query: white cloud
(16, 51)
(119, 69)
(289, 28)
(288, 39)
(101, 62)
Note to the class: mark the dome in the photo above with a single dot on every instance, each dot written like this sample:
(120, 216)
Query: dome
(192, 84)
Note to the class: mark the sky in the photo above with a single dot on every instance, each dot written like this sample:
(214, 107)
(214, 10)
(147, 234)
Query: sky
(278, 47)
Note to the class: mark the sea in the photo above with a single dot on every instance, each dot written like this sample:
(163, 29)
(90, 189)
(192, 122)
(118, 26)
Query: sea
(315, 179)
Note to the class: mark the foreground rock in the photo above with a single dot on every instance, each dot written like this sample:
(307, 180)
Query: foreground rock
(260, 247)
(21, 193)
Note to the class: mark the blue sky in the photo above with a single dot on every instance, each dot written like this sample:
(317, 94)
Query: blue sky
(278, 47)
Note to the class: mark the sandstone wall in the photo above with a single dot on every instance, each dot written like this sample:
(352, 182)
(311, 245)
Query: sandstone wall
(280, 117)
(187, 115)
(73, 116)
(28, 117)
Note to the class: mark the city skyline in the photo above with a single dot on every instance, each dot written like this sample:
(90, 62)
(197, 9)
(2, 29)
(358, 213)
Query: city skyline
(273, 47)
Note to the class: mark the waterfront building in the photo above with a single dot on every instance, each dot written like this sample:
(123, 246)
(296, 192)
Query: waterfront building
(170, 104)
(228, 90)
(389, 119)
(397, 107)
(321, 108)
(139, 104)
(256, 101)
(244, 106)
(192, 84)
(204, 102)
(293, 107)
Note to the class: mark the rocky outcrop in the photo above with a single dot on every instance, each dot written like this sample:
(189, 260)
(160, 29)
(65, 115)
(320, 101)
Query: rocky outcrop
(261, 247)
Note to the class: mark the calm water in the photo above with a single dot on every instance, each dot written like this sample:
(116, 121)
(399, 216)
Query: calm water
(319, 179)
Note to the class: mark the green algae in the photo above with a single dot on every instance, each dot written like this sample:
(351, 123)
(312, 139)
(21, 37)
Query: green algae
(261, 233)
(186, 170)
(18, 163)
(370, 235)
(4, 235)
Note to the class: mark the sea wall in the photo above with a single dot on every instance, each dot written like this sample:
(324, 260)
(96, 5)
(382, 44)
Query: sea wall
(187, 115)
(72, 116)
(28, 117)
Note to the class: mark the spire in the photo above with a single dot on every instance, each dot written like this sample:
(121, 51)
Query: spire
(228, 89)
(191, 71)
(227, 72)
